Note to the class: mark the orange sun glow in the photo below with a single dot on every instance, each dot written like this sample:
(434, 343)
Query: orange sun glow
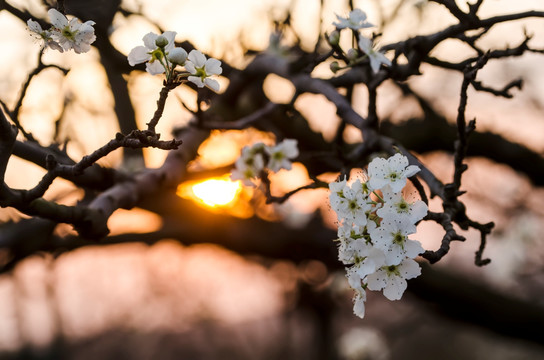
(217, 191)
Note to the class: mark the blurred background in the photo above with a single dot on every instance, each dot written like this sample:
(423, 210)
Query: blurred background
(215, 291)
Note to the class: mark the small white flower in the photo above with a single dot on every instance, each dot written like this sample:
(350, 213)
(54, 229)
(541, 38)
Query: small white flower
(396, 206)
(356, 20)
(392, 278)
(152, 54)
(337, 192)
(393, 172)
(353, 206)
(375, 57)
(360, 295)
(392, 238)
(367, 259)
(72, 34)
(201, 70)
(45, 35)
(280, 156)
(249, 164)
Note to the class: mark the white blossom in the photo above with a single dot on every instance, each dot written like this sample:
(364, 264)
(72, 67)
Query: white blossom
(356, 20)
(395, 206)
(353, 206)
(393, 172)
(359, 298)
(367, 259)
(392, 278)
(375, 57)
(45, 35)
(249, 164)
(280, 156)
(336, 192)
(201, 70)
(392, 238)
(151, 53)
(72, 34)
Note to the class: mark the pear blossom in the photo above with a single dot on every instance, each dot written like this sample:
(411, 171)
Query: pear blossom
(356, 283)
(201, 70)
(375, 57)
(393, 172)
(395, 206)
(336, 192)
(249, 165)
(45, 35)
(392, 278)
(367, 259)
(353, 206)
(72, 34)
(392, 238)
(280, 156)
(373, 229)
(356, 20)
(151, 53)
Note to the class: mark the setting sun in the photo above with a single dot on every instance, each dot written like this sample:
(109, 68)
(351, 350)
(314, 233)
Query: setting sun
(216, 192)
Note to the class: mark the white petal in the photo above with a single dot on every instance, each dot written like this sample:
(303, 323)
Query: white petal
(409, 269)
(395, 288)
(413, 248)
(290, 148)
(34, 26)
(190, 67)
(154, 68)
(149, 41)
(138, 55)
(82, 48)
(57, 19)
(197, 58)
(418, 211)
(359, 305)
(212, 84)
(398, 184)
(377, 281)
(196, 80)
(394, 255)
(54, 45)
(411, 170)
(365, 44)
(213, 67)
(375, 63)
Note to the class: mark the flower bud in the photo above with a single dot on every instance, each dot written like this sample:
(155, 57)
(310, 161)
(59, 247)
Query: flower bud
(177, 56)
(161, 41)
(352, 54)
(335, 66)
(334, 37)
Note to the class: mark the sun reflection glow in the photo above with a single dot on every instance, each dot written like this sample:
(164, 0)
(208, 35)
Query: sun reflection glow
(217, 191)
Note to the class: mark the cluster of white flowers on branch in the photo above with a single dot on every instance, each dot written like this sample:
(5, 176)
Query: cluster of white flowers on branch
(356, 21)
(64, 34)
(375, 221)
(160, 55)
(258, 157)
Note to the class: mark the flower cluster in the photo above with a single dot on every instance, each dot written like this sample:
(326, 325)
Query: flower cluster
(160, 55)
(356, 21)
(375, 221)
(259, 157)
(64, 34)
